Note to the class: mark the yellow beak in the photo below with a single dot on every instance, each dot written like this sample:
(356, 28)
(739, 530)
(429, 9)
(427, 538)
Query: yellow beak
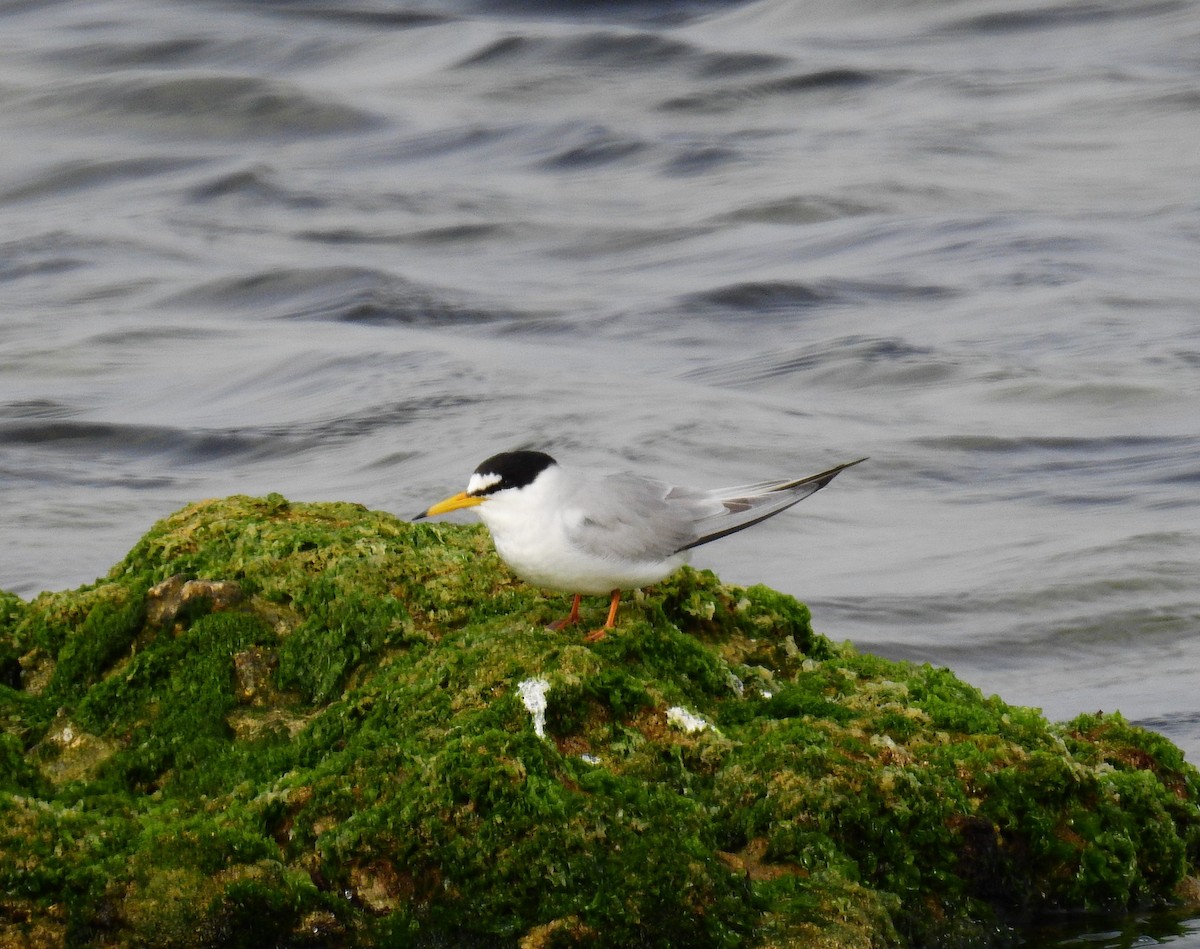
(452, 503)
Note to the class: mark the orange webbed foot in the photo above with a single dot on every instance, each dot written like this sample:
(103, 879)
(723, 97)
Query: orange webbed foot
(570, 619)
(596, 635)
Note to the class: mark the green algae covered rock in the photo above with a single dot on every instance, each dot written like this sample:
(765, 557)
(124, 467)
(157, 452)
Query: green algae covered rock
(316, 725)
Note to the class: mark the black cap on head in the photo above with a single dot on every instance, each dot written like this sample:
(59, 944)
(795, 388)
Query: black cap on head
(512, 469)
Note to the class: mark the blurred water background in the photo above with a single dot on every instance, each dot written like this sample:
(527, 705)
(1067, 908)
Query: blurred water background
(346, 250)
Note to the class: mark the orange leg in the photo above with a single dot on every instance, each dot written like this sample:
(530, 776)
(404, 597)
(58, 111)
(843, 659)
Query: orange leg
(569, 620)
(599, 634)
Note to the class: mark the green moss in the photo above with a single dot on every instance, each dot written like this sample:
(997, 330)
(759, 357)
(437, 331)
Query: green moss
(89, 649)
(330, 749)
(18, 774)
(342, 630)
(11, 610)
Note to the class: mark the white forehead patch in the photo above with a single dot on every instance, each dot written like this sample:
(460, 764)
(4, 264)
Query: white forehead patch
(481, 482)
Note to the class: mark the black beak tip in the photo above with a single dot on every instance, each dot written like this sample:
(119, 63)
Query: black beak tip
(420, 516)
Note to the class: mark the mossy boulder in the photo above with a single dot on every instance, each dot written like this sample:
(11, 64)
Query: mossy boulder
(317, 725)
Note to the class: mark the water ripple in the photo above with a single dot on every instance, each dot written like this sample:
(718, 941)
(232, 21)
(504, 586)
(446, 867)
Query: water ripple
(208, 106)
(338, 294)
(730, 98)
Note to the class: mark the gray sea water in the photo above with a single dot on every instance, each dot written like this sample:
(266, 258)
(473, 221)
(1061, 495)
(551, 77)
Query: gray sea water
(346, 250)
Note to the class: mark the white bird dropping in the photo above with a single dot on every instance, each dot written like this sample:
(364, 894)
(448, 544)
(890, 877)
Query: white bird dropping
(689, 722)
(533, 694)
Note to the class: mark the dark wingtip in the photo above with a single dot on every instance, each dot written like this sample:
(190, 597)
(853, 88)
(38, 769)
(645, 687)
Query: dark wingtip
(826, 476)
(834, 472)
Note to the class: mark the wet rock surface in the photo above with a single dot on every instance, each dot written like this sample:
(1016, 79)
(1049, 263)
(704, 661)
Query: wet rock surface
(313, 724)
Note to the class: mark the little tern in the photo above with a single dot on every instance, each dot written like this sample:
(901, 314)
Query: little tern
(578, 531)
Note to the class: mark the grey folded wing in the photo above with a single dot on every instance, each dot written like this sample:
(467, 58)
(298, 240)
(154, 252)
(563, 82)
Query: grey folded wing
(631, 518)
(625, 516)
